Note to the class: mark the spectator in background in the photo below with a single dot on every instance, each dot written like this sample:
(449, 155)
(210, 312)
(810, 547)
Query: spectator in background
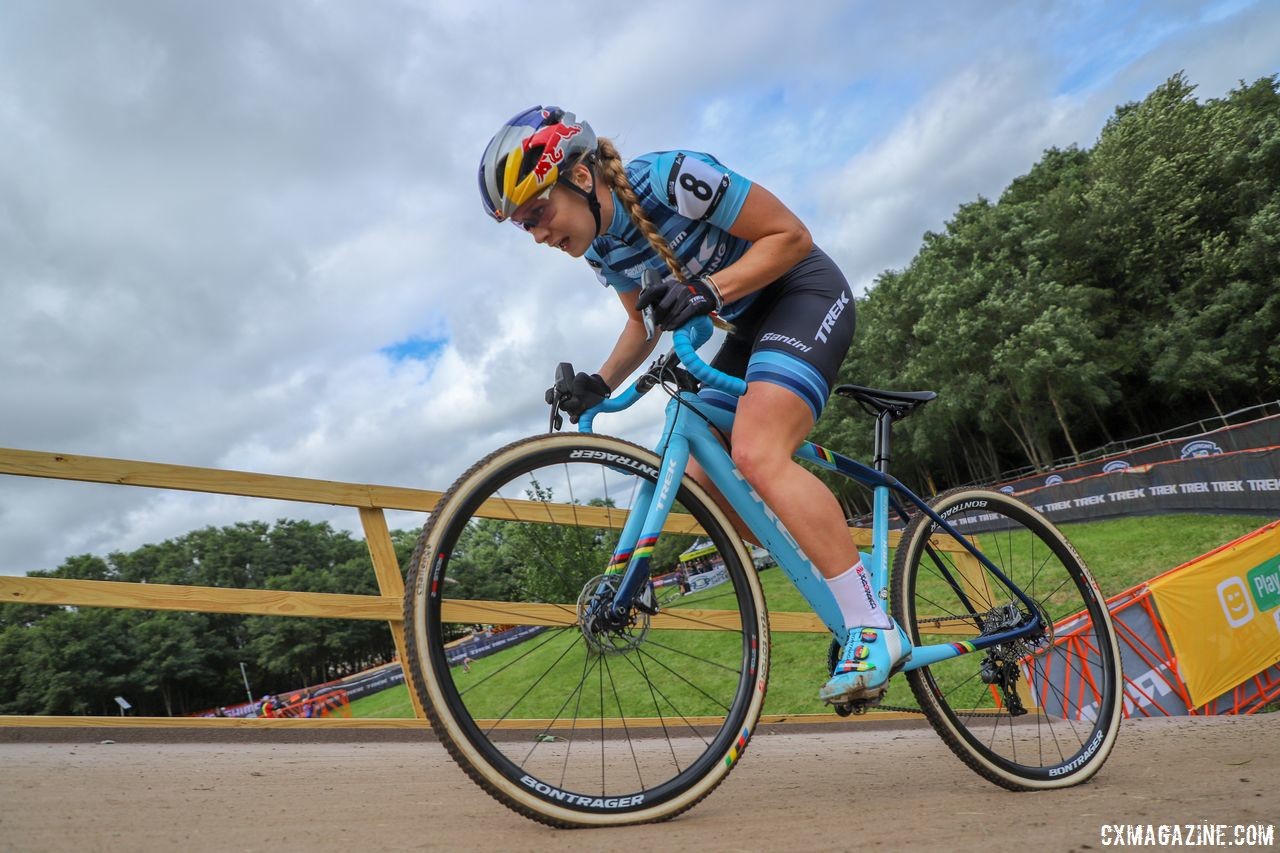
(267, 708)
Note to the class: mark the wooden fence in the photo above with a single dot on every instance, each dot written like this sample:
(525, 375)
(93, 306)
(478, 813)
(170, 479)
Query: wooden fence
(370, 501)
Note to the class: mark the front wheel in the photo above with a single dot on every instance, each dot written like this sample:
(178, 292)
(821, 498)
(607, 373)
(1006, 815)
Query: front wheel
(1033, 713)
(565, 717)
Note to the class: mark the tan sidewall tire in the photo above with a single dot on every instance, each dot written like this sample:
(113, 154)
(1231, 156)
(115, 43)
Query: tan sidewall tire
(916, 535)
(425, 678)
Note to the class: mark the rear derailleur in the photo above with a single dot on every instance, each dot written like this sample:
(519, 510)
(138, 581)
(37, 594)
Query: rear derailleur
(1000, 667)
(1004, 675)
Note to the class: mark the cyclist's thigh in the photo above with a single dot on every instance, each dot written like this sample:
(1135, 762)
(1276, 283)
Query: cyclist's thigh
(796, 336)
(771, 423)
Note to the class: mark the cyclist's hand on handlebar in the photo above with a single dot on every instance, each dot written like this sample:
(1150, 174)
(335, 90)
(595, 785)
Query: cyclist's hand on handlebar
(676, 303)
(587, 391)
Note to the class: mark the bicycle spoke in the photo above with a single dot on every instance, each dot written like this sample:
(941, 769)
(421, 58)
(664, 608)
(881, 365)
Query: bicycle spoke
(530, 688)
(974, 698)
(716, 701)
(576, 693)
(555, 632)
(615, 710)
(623, 717)
(692, 656)
(670, 704)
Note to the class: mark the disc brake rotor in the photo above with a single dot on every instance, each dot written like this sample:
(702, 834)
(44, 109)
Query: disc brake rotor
(603, 635)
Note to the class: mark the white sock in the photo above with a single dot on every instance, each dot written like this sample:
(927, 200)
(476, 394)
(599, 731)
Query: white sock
(858, 603)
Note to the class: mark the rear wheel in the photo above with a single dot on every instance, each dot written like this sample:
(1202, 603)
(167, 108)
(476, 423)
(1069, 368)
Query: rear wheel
(1034, 713)
(566, 719)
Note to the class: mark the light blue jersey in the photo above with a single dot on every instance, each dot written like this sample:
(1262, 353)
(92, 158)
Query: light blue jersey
(692, 200)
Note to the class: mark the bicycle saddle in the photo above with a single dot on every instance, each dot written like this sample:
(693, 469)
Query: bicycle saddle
(897, 404)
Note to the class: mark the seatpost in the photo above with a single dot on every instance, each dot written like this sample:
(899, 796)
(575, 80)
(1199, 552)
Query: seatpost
(884, 420)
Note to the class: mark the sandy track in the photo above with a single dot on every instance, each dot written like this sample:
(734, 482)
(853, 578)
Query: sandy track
(794, 791)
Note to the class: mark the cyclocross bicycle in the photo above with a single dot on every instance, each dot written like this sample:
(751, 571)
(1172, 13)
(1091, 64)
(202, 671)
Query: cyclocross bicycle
(612, 706)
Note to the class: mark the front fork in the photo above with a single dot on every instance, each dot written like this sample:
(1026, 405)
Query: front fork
(640, 533)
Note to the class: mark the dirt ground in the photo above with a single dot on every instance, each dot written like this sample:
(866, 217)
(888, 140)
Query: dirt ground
(838, 788)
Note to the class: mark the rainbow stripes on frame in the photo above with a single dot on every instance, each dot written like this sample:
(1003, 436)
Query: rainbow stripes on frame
(824, 454)
(643, 551)
(619, 563)
(830, 459)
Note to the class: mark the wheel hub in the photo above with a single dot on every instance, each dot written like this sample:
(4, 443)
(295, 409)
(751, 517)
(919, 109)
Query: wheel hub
(605, 631)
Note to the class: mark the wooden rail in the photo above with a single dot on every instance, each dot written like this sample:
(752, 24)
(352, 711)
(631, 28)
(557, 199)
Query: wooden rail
(370, 501)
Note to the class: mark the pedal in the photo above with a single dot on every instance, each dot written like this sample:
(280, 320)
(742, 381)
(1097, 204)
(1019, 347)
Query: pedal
(859, 705)
(857, 709)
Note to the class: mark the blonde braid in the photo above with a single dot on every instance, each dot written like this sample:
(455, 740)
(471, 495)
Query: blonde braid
(616, 177)
(610, 162)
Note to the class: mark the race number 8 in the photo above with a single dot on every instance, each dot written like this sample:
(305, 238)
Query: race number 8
(700, 189)
(694, 188)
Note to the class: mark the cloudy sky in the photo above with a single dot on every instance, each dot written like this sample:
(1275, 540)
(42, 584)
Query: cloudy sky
(247, 235)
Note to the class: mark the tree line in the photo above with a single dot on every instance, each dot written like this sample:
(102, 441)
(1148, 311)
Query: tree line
(1110, 292)
(66, 660)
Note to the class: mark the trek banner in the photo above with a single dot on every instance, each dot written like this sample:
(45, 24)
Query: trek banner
(1223, 614)
(1264, 432)
(1245, 482)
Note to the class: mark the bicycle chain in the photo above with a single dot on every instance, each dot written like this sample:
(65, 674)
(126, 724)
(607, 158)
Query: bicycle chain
(919, 711)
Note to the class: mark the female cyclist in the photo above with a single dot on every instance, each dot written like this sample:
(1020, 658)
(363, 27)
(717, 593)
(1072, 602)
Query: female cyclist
(728, 246)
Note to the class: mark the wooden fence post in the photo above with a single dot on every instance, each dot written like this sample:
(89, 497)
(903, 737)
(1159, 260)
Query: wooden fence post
(391, 584)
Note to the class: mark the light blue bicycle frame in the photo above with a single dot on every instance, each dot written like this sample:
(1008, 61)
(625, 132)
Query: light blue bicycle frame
(687, 433)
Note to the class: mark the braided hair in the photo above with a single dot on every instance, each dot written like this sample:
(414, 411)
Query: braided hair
(611, 169)
(609, 162)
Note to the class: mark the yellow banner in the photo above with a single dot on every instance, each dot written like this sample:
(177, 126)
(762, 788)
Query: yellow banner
(1222, 613)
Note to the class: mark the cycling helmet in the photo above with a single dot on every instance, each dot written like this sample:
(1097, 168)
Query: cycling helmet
(529, 155)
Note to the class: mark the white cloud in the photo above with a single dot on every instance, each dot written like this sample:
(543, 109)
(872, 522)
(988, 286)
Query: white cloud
(214, 217)
(969, 136)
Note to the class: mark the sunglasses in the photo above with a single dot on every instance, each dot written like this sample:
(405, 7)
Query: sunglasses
(537, 212)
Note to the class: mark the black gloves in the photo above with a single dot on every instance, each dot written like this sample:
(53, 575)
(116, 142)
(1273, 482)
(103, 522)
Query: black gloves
(587, 391)
(676, 303)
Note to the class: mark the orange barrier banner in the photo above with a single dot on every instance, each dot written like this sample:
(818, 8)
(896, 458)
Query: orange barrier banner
(1222, 613)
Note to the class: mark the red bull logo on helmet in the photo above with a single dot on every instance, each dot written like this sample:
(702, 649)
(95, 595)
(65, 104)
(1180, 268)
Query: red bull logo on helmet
(551, 138)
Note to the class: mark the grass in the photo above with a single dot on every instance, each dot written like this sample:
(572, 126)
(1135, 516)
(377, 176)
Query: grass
(1120, 552)
(1125, 551)
(392, 702)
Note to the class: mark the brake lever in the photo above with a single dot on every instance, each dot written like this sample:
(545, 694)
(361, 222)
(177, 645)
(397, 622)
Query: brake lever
(558, 393)
(557, 421)
(648, 279)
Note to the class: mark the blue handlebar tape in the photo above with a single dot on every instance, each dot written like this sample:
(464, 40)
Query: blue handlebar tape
(687, 340)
